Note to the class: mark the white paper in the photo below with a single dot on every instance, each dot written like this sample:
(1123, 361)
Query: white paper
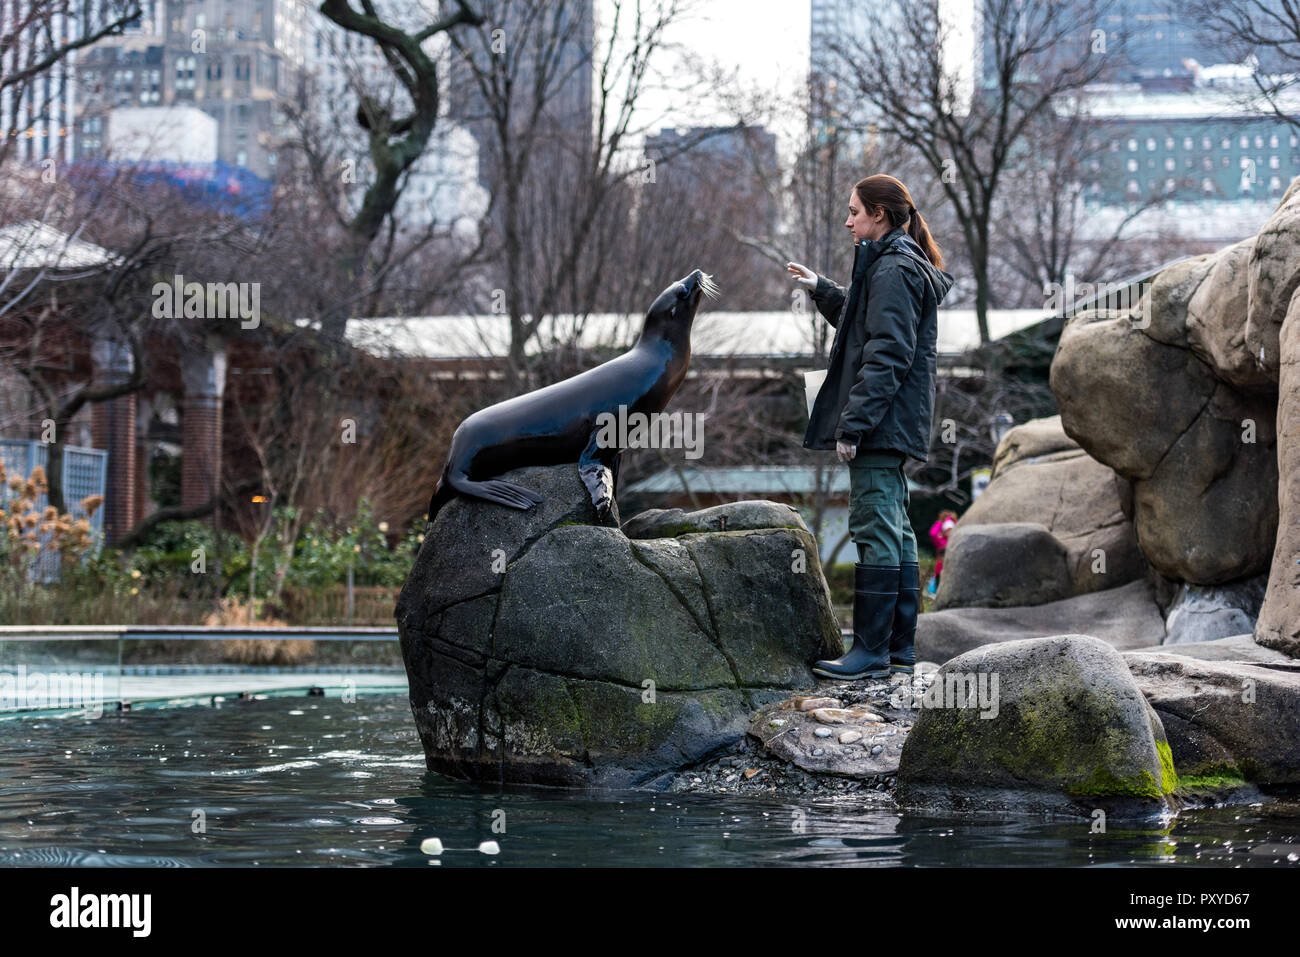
(812, 384)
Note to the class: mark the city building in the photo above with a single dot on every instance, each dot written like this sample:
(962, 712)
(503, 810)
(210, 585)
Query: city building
(233, 59)
(568, 66)
(39, 117)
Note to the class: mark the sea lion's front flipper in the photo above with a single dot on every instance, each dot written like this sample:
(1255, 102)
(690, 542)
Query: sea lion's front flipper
(496, 490)
(596, 475)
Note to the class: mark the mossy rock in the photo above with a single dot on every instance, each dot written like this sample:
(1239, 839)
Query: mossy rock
(1043, 724)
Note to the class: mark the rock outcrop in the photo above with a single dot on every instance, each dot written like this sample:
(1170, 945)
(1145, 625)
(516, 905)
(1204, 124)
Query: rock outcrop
(1173, 397)
(1225, 719)
(1043, 725)
(1279, 620)
(1051, 525)
(1125, 617)
(542, 646)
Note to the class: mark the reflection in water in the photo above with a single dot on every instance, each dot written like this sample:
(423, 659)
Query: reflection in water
(322, 781)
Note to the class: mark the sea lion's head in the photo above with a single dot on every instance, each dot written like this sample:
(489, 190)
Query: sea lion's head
(673, 310)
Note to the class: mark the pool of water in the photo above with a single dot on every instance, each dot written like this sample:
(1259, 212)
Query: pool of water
(312, 781)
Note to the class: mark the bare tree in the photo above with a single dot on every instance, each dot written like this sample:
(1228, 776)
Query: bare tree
(967, 130)
(38, 36)
(395, 142)
(1263, 33)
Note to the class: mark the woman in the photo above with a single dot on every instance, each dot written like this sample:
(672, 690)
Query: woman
(874, 410)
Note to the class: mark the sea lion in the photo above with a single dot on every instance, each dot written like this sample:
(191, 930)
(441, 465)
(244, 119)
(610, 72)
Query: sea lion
(558, 423)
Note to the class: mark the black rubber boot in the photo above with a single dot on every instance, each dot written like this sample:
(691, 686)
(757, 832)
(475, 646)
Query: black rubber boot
(902, 650)
(875, 595)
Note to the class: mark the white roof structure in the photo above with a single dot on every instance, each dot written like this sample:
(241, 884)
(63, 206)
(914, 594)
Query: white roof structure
(781, 334)
(1128, 102)
(34, 245)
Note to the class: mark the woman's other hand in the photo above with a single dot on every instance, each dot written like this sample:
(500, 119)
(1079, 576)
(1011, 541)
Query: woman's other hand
(802, 275)
(845, 451)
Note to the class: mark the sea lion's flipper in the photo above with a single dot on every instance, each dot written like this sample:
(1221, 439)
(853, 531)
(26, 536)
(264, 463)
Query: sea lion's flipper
(496, 490)
(596, 475)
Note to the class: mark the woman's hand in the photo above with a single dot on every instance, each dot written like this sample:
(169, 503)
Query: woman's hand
(802, 275)
(845, 451)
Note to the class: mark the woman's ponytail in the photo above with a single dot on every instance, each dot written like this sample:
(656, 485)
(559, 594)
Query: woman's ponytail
(920, 232)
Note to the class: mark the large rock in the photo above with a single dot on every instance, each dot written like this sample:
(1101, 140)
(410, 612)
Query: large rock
(751, 513)
(1125, 617)
(996, 566)
(1273, 280)
(1228, 719)
(1168, 396)
(1279, 620)
(1057, 725)
(542, 647)
(1040, 475)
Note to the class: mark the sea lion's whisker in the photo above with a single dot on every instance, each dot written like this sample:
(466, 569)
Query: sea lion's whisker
(708, 286)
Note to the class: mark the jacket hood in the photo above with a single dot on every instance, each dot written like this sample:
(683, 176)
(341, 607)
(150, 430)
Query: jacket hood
(898, 242)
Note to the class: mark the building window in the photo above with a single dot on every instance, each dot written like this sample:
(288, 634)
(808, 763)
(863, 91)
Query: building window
(1274, 185)
(1207, 187)
(1151, 144)
(1205, 143)
(1227, 143)
(1132, 145)
(1132, 166)
(1259, 142)
(1114, 146)
(1170, 185)
(1245, 141)
(1132, 187)
(1170, 164)
(1169, 142)
(1207, 164)
(1272, 141)
(1273, 162)
(1187, 143)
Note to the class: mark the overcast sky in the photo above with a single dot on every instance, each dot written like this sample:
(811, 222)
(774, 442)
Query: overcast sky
(766, 40)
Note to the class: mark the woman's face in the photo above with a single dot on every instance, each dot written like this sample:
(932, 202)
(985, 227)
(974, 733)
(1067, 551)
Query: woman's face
(864, 225)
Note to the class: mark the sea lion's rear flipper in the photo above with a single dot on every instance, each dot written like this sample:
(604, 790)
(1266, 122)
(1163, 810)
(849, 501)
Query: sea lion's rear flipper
(596, 475)
(496, 490)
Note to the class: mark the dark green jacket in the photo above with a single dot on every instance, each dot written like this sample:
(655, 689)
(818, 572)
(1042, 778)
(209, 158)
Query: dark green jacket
(879, 388)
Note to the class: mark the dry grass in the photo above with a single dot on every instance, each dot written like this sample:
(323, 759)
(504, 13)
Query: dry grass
(257, 651)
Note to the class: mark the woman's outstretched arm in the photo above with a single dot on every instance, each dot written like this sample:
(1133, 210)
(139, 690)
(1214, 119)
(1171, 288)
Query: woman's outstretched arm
(827, 294)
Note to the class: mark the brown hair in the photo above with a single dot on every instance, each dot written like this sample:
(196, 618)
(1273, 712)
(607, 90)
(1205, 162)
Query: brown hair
(885, 192)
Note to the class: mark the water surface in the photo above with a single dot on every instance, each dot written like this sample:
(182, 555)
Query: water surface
(321, 781)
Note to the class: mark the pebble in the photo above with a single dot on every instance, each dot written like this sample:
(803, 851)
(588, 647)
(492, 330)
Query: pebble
(829, 715)
(859, 715)
(823, 732)
(812, 704)
(819, 752)
(431, 846)
(489, 847)
(850, 737)
(877, 749)
(750, 772)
